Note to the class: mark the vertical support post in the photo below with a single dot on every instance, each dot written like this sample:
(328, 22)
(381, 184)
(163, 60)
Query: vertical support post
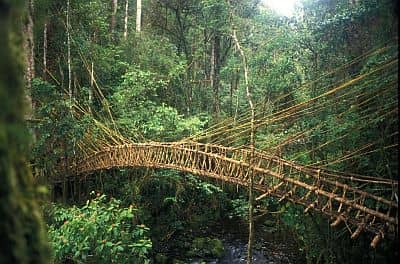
(252, 148)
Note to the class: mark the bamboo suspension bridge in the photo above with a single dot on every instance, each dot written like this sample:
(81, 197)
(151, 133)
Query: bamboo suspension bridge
(360, 203)
(316, 189)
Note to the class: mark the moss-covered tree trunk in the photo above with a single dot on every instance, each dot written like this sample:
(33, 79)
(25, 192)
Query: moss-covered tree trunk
(22, 234)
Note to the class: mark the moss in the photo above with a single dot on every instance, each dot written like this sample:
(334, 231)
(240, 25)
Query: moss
(22, 235)
(160, 258)
(217, 248)
(206, 247)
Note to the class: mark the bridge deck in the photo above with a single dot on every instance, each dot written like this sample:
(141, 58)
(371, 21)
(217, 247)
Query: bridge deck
(343, 198)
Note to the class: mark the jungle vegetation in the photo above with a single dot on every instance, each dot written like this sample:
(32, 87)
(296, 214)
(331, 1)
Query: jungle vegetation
(167, 70)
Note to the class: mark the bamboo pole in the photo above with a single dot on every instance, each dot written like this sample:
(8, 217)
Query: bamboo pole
(252, 147)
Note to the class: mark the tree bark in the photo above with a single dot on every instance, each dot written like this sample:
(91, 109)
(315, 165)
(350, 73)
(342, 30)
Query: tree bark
(70, 92)
(212, 71)
(215, 73)
(69, 55)
(23, 238)
(252, 149)
(138, 15)
(29, 58)
(113, 17)
(126, 20)
(45, 51)
(91, 86)
(234, 86)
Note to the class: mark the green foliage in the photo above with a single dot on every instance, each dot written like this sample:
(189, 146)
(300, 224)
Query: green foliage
(155, 53)
(311, 242)
(215, 15)
(100, 231)
(57, 128)
(170, 199)
(322, 244)
(175, 206)
(137, 106)
(158, 84)
(206, 247)
(240, 208)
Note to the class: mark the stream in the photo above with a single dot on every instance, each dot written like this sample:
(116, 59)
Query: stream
(236, 252)
(269, 248)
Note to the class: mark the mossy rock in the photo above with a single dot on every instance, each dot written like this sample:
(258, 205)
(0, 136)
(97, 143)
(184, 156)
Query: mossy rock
(206, 247)
(270, 223)
(161, 258)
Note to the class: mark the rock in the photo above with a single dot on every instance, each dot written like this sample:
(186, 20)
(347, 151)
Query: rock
(217, 249)
(177, 261)
(206, 247)
(161, 258)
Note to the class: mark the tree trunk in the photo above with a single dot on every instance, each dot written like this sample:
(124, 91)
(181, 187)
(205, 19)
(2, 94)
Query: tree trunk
(215, 72)
(138, 15)
(234, 86)
(252, 149)
(91, 85)
(23, 238)
(212, 72)
(70, 92)
(29, 58)
(126, 20)
(113, 17)
(69, 56)
(45, 51)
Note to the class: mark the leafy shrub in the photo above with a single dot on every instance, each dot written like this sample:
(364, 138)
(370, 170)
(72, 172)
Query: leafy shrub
(240, 208)
(56, 129)
(99, 231)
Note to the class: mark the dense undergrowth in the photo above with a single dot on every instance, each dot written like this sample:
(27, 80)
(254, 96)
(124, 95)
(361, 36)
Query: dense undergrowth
(101, 231)
(164, 216)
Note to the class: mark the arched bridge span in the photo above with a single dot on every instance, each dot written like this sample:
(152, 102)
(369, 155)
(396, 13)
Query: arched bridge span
(343, 198)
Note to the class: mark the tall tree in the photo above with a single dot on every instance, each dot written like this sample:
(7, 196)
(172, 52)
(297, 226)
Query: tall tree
(69, 52)
(126, 19)
(22, 233)
(252, 147)
(113, 17)
(44, 70)
(215, 72)
(138, 15)
(29, 49)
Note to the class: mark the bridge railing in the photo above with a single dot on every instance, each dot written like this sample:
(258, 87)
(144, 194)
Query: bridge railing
(337, 196)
